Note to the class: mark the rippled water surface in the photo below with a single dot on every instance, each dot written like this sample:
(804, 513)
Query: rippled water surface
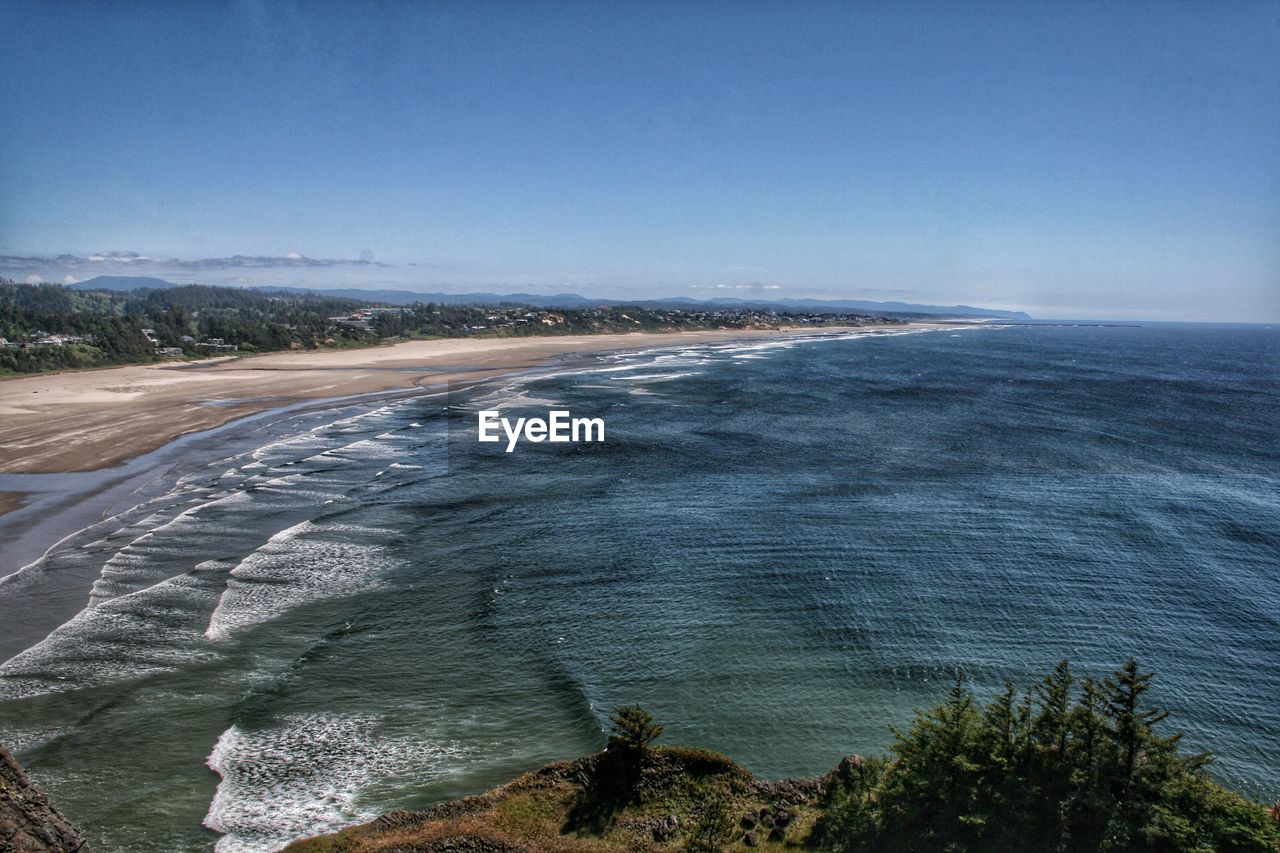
(780, 549)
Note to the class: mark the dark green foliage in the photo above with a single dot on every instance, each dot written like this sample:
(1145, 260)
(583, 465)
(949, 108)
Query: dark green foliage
(113, 323)
(852, 819)
(714, 828)
(633, 729)
(1057, 768)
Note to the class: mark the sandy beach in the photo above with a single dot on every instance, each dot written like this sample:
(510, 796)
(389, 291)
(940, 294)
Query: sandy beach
(89, 420)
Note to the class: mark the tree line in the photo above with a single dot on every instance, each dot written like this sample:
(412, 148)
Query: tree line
(1065, 766)
(111, 324)
(1068, 765)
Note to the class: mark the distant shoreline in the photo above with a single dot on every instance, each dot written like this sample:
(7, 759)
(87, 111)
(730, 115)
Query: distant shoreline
(90, 420)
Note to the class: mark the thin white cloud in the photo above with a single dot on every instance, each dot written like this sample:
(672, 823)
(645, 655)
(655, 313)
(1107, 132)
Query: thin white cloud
(755, 287)
(101, 261)
(117, 257)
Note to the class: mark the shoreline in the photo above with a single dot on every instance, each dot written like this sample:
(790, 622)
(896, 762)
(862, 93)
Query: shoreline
(46, 509)
(82, 421)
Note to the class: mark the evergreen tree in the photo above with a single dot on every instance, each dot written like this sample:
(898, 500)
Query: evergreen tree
(633, 729)
(1143, 762)
(1045, 772)
(937, 797)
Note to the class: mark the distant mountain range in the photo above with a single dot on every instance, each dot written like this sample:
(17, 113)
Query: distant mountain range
(573, 300)
(124, 282)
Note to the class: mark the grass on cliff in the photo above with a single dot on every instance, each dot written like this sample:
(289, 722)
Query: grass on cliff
(673, 797)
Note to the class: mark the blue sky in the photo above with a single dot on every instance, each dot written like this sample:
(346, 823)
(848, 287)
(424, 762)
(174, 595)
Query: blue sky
(1072, 159)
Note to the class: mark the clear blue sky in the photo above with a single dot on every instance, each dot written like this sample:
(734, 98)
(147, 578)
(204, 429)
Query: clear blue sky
(1069, 158)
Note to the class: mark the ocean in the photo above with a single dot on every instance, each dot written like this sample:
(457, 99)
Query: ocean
(781, 549)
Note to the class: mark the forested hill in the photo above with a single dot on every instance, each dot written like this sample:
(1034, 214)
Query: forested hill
(573, 300)
(51, 327)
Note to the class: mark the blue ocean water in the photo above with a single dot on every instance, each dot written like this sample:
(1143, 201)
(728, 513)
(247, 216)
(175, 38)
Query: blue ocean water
(781, 549)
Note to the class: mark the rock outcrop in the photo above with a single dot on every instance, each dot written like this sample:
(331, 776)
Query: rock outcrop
(29, 823)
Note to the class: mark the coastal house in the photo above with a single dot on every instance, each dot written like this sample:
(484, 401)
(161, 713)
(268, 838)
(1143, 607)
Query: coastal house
(215, 345)
(359, 320)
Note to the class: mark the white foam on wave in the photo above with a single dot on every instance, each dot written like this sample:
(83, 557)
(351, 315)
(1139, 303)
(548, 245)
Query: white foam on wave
(741, 346)
(302, 564)
(620, 368)
(364, 450)
(291, 449)
(675, 364)
(360, 421)
(660, 377)
(511, 397)
(153, 630)
(400, 436)
(156, 554)
(306, 775)
(314, 441)
(158, 584)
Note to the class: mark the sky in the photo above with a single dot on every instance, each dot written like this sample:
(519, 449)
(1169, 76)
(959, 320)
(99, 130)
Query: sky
(1071, 159)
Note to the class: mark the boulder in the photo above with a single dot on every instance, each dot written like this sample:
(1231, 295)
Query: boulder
(851, 770)
(665, 828)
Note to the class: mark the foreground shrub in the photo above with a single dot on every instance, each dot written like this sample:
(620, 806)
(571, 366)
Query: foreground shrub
(1061, 767)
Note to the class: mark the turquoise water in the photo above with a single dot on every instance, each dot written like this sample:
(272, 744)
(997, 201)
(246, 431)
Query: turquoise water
(780, 549)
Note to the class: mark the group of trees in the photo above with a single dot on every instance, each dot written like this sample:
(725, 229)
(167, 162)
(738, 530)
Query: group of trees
(435, 319)
(1063, 766)
(112, 323)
